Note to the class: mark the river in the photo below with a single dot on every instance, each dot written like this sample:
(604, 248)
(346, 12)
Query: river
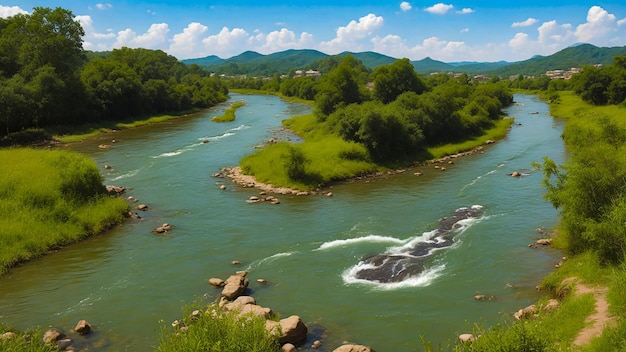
(128, 281)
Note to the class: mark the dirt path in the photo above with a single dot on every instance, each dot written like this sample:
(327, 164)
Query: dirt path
(597, 321)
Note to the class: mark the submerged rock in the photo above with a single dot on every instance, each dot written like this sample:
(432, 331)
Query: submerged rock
(399, 266)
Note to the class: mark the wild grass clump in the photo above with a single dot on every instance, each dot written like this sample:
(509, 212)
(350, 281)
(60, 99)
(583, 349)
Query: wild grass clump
(229, 114)
(24, 341)
(50, 198)
(216, 330)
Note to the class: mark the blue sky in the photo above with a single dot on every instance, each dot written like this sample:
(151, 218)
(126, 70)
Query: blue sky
(448, 31)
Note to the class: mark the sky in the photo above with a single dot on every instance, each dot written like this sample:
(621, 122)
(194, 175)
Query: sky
(455, 31)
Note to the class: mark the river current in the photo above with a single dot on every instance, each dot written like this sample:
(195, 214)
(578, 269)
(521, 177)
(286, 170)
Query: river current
(129, 281)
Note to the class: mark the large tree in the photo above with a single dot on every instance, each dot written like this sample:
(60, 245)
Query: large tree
(392, 80)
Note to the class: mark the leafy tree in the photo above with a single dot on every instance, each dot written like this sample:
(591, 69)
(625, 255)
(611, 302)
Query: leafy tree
(392, 80)
(341, 86)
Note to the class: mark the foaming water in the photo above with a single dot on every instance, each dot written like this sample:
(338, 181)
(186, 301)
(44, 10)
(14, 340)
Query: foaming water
(352, 241)
(425, 278)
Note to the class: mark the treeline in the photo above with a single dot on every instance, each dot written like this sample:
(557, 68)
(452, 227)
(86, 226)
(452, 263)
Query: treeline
(392, 110)
(47, 80)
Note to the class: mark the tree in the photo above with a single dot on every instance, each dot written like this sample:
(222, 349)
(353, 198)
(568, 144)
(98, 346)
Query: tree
(392, 80)
(341, 86)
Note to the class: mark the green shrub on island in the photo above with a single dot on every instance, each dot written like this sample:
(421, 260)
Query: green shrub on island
(48, 199)
(229, 114)
(216, 330)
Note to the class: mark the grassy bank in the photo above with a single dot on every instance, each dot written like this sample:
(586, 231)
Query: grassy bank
(48, 199)
(590, 285)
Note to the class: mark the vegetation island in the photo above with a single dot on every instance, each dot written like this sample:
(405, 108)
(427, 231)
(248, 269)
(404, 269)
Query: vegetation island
(365, 120)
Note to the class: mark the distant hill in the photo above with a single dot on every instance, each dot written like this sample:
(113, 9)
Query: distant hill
(254, 64)
(573, 56)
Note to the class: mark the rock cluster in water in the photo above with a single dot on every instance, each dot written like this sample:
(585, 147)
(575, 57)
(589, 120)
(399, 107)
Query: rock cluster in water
(291, 331)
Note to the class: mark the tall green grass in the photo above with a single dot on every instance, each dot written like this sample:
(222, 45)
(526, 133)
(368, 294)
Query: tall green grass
(498, 131)
(50, 198)
(215, 330)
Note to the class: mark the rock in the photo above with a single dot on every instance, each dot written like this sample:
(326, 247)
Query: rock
(234, 287)
(418, 173)
(83, 327)
(65, 344)
(235, 262)
(302, 193)
(316, 344)
(261, 281)
(480, 297)
(552, 304)
(544, 241)
(8, 336)
(291, 329)
(466, 338)
(223, 187)
(163, 228)
(527, 312)
(52, 336)
(256, 310)
(142, 207)
(516, 174)
(353, 348)
(329, 194)
(217, 282)
(288, 348)
(489, 141)
(107, 166)
(115, 190)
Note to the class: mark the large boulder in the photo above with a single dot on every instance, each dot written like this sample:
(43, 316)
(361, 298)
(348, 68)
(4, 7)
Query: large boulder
(289, 330)
(353, 348)
(53, 335)
(234, 287)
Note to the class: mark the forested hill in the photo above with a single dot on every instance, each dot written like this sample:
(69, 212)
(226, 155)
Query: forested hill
(255, 64)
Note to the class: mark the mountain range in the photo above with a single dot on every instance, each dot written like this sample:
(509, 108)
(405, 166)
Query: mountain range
(254, 64)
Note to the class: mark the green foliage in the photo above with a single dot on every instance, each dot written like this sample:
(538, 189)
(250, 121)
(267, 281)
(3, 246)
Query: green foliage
(229, 114)
(341, 87)
(392, 80)
(45, 79)
(50, 198)
(590, 188)
(216, 330)
(602, 85)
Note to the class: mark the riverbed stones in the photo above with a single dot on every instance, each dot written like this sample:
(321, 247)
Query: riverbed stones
(115, 190)
(235, 286)
(528, 312)
(83, 327)
(51, 336)
(142, 207)
(216, 282)
(467, 338)
(353, 348)
(288, 347)
(291, 329)
(163, 228)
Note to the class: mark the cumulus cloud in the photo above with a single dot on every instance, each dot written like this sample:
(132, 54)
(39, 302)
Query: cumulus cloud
(405, 6)
(529, 22)
(433, 47)
(348, 37)
(284, 39)
(154, 38)
(621, 22)
(228, 42)
(439, 9)
(8, 11)
(466, 11)
(94, 40)
(599, 23)
(465, 30)
(189, 43)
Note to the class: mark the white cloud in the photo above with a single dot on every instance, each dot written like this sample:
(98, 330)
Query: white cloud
(529, 22)
(189, 43)
(599, 24)
(405, 6)
(8, 11)
(439, 9)
(433, 47)
(621, 22)
(465, 30)
(465, 11)
(154, 38)
(94, 40)
(228, 43)
(519, 42)
(283, 40)
(348, 36)
(104, 6)
(151, 12)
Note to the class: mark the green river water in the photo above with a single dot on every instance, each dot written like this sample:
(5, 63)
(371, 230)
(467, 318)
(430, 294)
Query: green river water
(128, 281)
